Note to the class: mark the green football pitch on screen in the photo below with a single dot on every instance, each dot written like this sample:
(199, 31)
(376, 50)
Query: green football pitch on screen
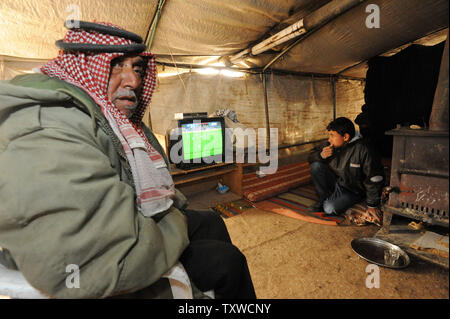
(202, 144)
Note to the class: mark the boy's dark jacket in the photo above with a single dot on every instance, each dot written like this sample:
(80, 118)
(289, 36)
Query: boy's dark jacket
(357, 168)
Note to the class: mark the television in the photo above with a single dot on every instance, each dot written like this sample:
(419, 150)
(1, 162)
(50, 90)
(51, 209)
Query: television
(200, 141)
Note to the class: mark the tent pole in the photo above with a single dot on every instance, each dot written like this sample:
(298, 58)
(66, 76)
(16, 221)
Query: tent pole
(284, 52)
(266, 107)
(2, 67)
(439, 110)
(309, 24)
(151, 23)
(154, 23)
(333, 95)
(258, 71)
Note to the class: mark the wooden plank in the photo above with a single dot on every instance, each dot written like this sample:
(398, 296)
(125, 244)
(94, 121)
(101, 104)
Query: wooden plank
(234, 180)
(176, 171)
(202, 174)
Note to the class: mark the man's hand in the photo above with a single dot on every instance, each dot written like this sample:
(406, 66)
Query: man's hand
(374, 215)
(327, 152)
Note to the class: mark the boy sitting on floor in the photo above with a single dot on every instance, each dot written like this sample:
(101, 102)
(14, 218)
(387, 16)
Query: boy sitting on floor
(346, 171)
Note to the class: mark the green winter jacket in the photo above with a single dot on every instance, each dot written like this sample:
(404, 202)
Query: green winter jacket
(67, 197)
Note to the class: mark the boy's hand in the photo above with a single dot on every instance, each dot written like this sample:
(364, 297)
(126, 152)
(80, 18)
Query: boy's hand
(327, 152)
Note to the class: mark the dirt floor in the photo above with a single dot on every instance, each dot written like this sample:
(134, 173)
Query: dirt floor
(293, 259)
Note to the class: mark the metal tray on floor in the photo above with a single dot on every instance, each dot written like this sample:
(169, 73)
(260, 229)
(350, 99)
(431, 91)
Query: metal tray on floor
(380, 252)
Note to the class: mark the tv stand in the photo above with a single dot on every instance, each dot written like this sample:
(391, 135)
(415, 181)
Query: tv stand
(229, 173)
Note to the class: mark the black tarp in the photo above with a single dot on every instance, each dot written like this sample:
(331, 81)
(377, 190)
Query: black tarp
(400, 90)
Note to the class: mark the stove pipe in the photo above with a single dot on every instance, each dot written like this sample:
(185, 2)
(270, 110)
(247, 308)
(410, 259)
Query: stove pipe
(439, 113)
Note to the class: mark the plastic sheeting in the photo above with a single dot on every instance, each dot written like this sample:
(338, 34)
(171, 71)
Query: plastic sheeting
(207, 93)
(202, 28)
(299, 107)
(197, 30)
(11, 67)
(29, 28)
(217, 27)
(349, 98)
(347, 41)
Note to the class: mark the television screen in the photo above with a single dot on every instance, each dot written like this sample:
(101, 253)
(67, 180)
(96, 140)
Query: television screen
(202, 141)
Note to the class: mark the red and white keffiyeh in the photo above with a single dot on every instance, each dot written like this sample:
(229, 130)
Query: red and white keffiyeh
(90, 72)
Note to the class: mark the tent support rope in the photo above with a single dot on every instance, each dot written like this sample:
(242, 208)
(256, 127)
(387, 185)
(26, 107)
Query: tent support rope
(154, 24)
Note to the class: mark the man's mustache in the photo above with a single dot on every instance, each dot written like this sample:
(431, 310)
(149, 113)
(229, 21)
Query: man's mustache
(128, 94)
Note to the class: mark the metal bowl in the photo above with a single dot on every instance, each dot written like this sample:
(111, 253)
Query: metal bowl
(380, 252)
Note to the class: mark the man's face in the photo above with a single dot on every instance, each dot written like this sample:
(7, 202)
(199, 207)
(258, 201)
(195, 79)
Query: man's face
(337, 140)
(125, 83)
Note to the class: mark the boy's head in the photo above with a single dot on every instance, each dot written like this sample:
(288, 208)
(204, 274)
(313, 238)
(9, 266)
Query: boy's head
(340, 131)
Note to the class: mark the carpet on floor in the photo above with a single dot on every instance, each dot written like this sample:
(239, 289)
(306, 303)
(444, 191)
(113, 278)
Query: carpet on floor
(295, 202)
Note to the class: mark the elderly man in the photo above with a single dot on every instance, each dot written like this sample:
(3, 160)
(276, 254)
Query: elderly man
(85, 183)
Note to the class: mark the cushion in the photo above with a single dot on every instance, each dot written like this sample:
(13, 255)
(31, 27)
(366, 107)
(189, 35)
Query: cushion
(257, 188)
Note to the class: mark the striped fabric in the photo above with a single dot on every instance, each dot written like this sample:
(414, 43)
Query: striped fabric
(295, 204)
(289, 192)
(287, 177)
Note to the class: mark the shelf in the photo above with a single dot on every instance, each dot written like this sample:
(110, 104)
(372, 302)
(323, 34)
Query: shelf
(181, 177)
(176, 171)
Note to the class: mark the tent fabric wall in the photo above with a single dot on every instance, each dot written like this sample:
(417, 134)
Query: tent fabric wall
(299, 107)
(349, 98)
(195, 31)
(347, 41)
(216, 23)
(192, 92)
(11, 67)
(204, 28)
(29, 28)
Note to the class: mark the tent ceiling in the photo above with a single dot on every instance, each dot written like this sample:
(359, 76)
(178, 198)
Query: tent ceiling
(29, 28)
(347, 41)
(216, 27)
(201, 31)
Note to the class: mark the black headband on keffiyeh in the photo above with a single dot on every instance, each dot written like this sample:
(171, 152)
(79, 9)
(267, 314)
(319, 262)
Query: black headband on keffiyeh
(90, 71)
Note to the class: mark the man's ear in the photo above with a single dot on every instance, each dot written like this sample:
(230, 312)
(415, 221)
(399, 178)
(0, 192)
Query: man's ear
(346, 137)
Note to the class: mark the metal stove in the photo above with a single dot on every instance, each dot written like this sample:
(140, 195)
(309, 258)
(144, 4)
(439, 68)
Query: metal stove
(419, 181)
